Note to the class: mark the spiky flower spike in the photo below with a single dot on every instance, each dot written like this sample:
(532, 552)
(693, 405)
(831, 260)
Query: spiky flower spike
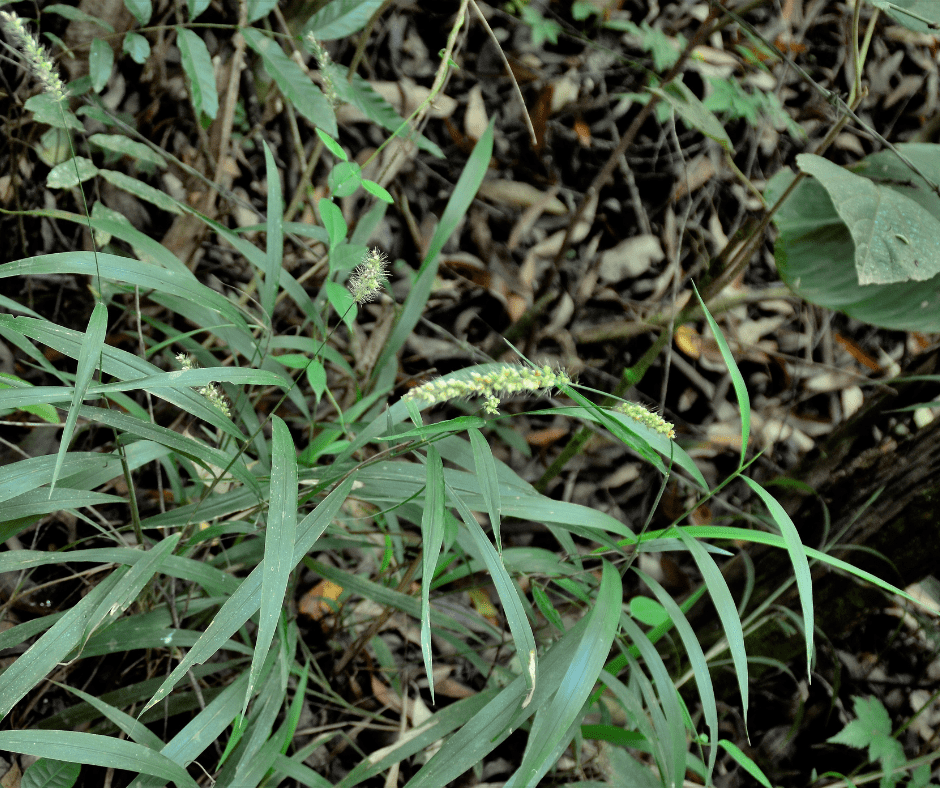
(211, 391)
(324, 61)
(652, 420)
(39, 61)
(504, 381)
(367, 278)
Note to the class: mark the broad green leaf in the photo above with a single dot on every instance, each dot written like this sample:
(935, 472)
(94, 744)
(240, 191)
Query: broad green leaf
(141, 9)
(293, 83)
(43, 410)
(333, 221)
(737, 380)
(244, 602)
(695, 114)
(100, 63)
(49, 773)
(344, 179)
(70, 173)
(47, 110)
(920, 10)
(258, 9)
(198, 67)
(75, 15)
(196, 7)
(278, 544)
(137, 47)
(142, 190)
(118, 143)
(457, 207)
(364, 97)
(432, 536)
(95, 750)
(804, 580)
(340, 18)
(274, 253)
(377, 191)
(87, 364)
(334, 147)
(896, 239)
(551, 729)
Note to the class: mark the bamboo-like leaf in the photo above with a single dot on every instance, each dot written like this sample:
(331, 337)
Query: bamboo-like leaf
(77, 747)
(737, 380)
(244, 603)
(698, 662)
(669, 726)
(142, 190)
(293, 82)
(87, 364)
(52, 648)
(133, 728)
(550, 729)
(278, 544)
(515, 613)
(457, 206)
(198, 67)
(804, 580)
(727, 611)
(275, 236)
(485, 466)
(432, 536)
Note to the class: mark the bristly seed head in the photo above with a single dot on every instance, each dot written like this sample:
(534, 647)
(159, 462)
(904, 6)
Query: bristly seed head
(652, 420)
(38, 60)
(492, 386)
(367, 278)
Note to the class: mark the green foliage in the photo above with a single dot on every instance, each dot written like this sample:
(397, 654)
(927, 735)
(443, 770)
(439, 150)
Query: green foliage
(875, 226)
(871, 731)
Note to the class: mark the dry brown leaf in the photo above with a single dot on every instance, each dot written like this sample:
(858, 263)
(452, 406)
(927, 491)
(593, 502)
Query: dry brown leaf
(522, 195)
(316, 602)
(475, 120)
(630, 258)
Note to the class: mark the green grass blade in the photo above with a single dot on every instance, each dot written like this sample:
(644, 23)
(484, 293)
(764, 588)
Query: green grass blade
(129, 587)
(669, 725)
(245, 602)
(485, 466)
(432, 536)
(727, 611)
(202, 731)
(278, 544)
(275, 237)
(134, 729)
(804, 580)
(87, 364)
(549, 736)
(697, 660)
(457, 206)
(737, 380)
(76, 747)
(53, 647)
(132, 272)
(515, 613)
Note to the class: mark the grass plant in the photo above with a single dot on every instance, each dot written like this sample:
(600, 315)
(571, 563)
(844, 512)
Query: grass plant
(268, 478)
